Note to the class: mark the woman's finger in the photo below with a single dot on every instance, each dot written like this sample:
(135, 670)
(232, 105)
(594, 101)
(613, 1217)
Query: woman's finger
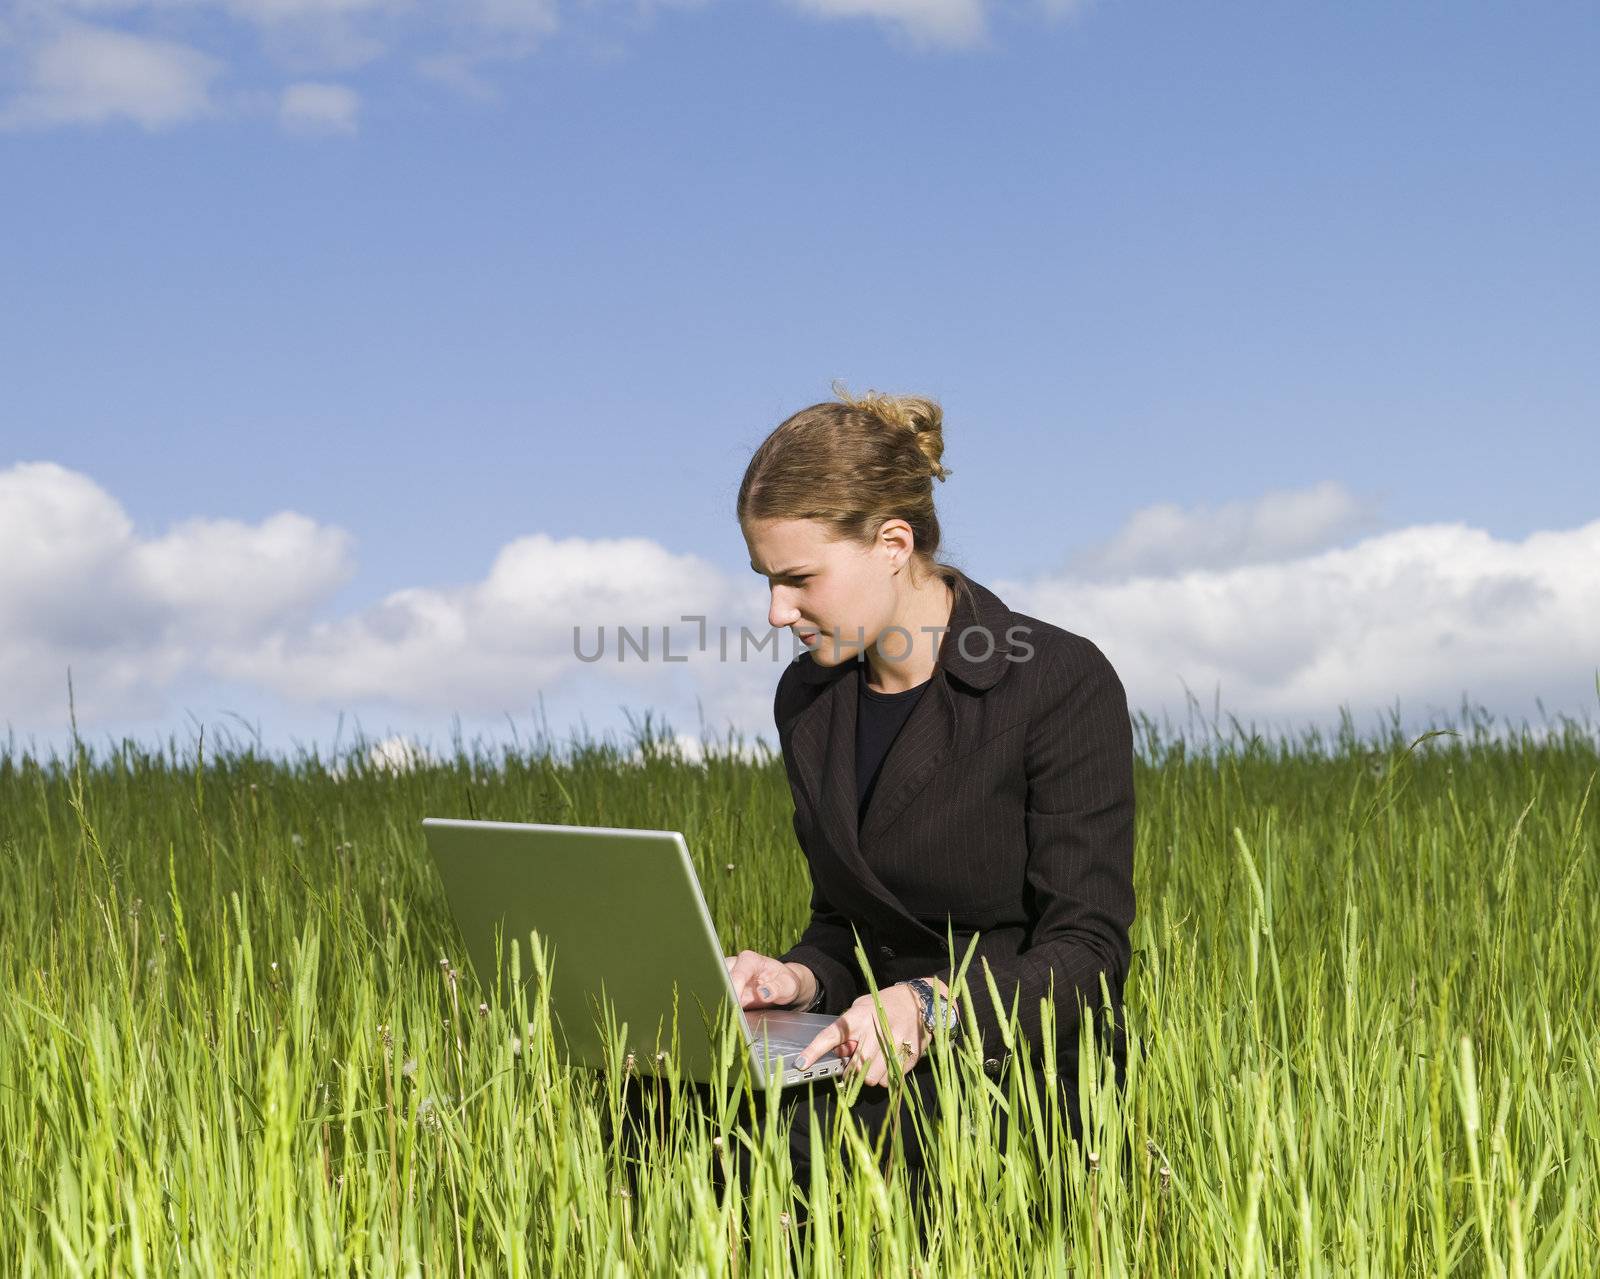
(739, 972)
(879, 1067)
(775, 984)
(753, 976)
(866, 1059)
(827, 1039)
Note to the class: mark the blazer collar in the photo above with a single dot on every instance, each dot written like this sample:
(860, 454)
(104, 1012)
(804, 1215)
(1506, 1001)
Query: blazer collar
(978, 607)
(823, 749)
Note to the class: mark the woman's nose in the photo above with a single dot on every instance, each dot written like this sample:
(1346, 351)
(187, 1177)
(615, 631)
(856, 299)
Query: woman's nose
(782, 612)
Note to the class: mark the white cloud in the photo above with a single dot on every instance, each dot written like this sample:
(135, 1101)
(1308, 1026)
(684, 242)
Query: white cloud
(132, 615)
(90, 75)
(395, 754)
(956, 24)
(458, 71)
(135, 65)
(1059, 9)
(534, 17)
(273, 11)
(132, 65)
(1422, 614)
(481, 647)
(488, 32)
(225, 581)
(308, 107)
(1167, 538)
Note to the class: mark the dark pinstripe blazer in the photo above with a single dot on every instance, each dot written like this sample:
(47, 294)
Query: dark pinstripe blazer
(1004, 808)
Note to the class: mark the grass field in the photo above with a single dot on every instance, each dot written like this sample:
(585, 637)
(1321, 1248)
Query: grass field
(1364, 1010)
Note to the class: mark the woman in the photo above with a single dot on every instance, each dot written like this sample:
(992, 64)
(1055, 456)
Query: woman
(953, 764)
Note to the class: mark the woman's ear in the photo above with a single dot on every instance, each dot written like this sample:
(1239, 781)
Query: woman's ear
(896, 537)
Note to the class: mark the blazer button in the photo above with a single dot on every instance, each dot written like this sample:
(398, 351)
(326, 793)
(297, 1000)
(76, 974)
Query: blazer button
(991, 1066)
(886, 952)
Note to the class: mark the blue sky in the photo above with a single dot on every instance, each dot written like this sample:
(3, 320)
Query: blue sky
(1206, 292)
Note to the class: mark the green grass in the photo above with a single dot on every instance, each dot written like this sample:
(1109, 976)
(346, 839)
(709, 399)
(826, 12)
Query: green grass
(1363, 1010)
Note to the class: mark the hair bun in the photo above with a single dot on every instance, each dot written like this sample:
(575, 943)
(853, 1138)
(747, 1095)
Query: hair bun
(922, 417)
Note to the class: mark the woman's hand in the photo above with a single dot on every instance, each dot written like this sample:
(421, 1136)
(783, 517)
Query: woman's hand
(760, 981)
(856, 1033)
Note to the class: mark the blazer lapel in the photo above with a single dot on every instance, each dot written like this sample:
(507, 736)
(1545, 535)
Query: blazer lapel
(920, 748)
(824, 739)
(824, 756)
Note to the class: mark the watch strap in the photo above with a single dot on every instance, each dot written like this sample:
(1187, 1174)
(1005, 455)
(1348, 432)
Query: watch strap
(928, 997)
(816, 999)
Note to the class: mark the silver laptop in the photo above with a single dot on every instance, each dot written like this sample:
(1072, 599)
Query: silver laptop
(629, 934)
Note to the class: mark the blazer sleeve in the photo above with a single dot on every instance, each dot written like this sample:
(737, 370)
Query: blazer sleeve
(1079, 880)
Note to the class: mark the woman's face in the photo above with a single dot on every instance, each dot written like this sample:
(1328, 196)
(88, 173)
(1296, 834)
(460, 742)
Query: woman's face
(836, 596)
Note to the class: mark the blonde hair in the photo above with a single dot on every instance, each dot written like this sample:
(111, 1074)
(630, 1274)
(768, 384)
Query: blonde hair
(850, 464)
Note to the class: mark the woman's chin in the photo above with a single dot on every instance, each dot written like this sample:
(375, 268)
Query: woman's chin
(825, 650)
(822, 653)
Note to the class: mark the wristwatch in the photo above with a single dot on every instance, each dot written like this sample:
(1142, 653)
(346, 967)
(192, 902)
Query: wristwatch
(816, 999)
(930, 1000)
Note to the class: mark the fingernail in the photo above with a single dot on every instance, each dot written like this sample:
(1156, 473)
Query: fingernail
(800, 1062)
(763, 992)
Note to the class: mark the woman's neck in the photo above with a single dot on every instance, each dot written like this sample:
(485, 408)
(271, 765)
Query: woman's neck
(925, 613)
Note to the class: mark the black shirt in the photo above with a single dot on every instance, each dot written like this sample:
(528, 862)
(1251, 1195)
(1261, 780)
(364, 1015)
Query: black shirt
(879, 718)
